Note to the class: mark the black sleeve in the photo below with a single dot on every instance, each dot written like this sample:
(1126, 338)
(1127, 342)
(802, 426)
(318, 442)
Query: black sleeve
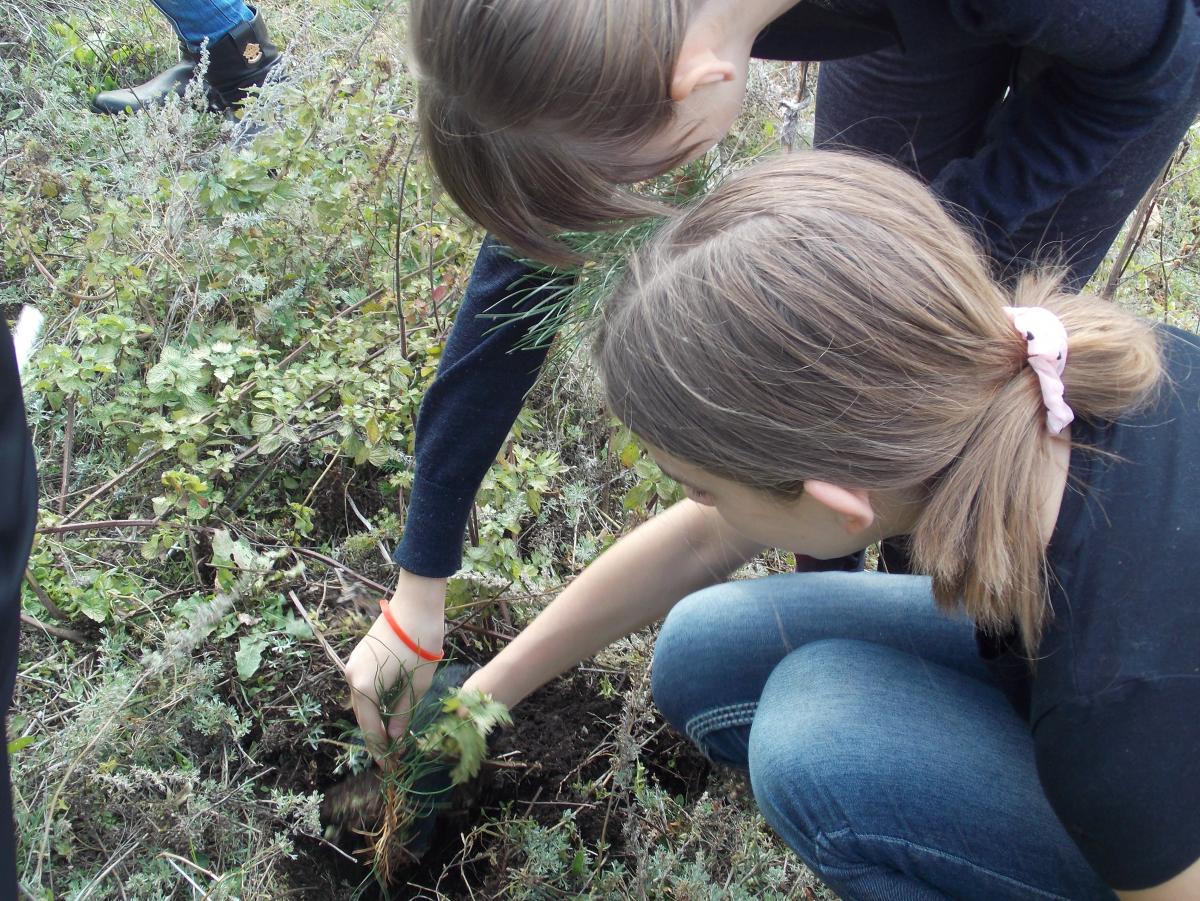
(465, 416)
(1122, 772)
(1114, 69)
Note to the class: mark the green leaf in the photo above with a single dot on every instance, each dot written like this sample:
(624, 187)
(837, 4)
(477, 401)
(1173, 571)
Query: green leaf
(95, 604)
(374, 432)
(222, 546)
(249, 656)
(296, 627)
(20, 744)
(579, 863)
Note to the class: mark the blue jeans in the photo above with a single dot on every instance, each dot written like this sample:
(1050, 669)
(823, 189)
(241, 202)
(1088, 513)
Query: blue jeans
(878, 745)
(198, 20)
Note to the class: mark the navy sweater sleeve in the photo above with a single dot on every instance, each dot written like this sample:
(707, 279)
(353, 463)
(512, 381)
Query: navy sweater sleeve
(1113, 70)
(465, 416)
(1121, 771)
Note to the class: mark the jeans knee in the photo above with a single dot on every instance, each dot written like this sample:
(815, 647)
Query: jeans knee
(678, 663)
(801, 762)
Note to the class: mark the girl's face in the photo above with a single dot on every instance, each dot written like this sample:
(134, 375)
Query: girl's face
(807, 525)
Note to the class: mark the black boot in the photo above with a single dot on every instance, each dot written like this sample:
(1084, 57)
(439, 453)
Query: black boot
(237, 62)
(172, 81)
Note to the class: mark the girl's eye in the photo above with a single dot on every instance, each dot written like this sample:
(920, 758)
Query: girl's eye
(703, 498)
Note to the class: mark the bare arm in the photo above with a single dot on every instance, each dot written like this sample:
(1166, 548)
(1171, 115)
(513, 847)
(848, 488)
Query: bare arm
(633, 584)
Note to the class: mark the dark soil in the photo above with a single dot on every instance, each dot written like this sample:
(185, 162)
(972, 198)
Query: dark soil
(545, 764)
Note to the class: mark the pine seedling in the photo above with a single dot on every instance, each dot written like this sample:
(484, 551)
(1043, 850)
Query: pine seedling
(468, 716)
(394, 807)
(563, 303)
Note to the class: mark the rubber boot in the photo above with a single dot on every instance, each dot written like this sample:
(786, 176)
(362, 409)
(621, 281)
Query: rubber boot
(131, 100)
(237, 62)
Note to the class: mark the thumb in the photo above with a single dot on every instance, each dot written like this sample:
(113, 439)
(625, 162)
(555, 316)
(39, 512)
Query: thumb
(420, 678)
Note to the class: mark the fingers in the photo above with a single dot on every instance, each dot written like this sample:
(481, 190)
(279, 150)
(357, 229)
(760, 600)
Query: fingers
(366, 711)
(374, 668)
(387, 680)
(420, 678)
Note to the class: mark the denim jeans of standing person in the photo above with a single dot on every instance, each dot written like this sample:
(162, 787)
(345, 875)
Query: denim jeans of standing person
(879, 747)
(198, 20)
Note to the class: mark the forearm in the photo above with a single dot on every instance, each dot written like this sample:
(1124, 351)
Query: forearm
(469, 409)
(633, 584)
(1110, 77)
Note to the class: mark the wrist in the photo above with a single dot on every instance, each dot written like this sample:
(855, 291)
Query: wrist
(492, 679)
(418, 595)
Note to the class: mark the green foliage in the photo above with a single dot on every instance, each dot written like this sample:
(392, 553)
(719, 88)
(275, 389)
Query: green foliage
(460, 733)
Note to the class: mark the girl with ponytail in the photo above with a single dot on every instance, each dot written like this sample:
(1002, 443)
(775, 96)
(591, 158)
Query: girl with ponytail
(818, 352)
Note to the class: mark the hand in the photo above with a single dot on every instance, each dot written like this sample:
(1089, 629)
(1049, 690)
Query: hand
(386, 678)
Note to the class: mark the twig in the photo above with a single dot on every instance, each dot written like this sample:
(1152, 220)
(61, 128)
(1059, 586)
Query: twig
(505, 614)
(100, 524)
(1133, 237)
(313, 490)
(512, 765)
(329, 561)
(114, 481)
(68, 634)
(387, 558)
(68, 448)
(479, 630)
(109, 867)
(268, 468)
(54, 287)
(396, 279)
(290, 358)
(329, 651)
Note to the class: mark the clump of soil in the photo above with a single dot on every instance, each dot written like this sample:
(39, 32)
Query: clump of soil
(561, 741)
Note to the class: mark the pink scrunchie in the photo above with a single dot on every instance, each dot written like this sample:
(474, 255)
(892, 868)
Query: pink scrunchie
(1047, 355)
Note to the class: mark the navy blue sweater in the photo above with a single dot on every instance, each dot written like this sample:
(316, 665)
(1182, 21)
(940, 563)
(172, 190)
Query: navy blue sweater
(1115, 68)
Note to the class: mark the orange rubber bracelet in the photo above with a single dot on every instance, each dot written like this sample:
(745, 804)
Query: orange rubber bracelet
(403, 636)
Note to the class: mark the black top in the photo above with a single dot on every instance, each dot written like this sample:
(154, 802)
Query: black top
(18, 513)
(1114, 67)
(1114, 700)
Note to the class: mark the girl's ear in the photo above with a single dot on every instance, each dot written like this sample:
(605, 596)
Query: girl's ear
(852, 505)
(698, 65)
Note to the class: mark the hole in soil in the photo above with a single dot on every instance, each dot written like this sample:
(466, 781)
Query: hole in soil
(561, 742)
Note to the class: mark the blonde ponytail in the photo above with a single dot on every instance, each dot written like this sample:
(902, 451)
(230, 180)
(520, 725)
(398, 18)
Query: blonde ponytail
(977, 536)
(821, 317)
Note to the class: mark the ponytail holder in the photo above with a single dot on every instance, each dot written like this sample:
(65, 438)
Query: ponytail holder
(1046, 340)
(403, 636)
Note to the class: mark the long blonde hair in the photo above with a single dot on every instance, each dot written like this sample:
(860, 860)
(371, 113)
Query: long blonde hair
(530, 109)
(822, 317)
